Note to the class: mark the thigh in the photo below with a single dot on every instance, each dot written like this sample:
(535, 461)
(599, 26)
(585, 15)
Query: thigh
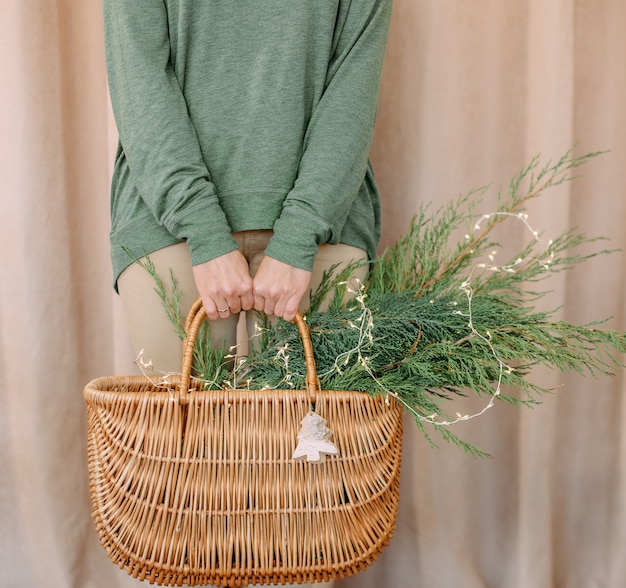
(150, 328)
(340, 255)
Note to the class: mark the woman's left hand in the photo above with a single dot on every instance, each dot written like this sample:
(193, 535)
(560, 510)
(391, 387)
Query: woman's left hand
(279, 287)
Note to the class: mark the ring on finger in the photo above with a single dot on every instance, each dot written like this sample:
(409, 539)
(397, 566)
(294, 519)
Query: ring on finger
(223, 309)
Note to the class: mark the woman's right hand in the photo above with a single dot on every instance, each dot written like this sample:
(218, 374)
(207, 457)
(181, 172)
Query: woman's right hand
(225, 285)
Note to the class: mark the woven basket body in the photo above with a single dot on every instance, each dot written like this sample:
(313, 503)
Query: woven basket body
(199, 487)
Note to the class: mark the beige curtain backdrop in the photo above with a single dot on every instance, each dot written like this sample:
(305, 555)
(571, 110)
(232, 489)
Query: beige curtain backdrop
(471, 91)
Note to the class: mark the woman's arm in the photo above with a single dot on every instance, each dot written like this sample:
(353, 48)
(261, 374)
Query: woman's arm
(156, 133)
(334, 160)
(338, 138)
(163, 153)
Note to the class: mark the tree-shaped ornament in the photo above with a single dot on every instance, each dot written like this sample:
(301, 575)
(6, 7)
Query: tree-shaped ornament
(314, 440)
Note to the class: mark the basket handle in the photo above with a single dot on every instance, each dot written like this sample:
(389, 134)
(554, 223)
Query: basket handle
(192, 325)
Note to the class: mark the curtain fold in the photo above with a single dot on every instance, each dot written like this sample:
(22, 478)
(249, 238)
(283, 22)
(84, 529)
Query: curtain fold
(471, 92)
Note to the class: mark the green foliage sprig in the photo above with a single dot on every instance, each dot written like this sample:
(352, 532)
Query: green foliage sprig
(438, 319)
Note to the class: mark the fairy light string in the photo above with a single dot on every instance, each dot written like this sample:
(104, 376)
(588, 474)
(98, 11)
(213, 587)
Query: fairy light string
(478, 323)
(365, 324)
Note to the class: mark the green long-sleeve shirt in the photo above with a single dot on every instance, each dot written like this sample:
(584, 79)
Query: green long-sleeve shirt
(244, 114)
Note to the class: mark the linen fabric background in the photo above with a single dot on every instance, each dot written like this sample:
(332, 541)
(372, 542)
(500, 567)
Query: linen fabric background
(471, 91)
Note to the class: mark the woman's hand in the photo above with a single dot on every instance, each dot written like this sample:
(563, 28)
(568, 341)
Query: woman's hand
(279, 287)
(225, 285)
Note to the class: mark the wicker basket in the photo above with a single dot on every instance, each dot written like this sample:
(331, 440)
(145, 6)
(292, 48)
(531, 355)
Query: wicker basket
(199, 487)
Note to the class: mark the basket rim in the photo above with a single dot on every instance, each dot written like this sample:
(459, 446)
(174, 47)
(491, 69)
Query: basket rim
(112, 385)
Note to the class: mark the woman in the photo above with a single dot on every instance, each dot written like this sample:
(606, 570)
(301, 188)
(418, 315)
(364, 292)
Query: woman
(242, 166)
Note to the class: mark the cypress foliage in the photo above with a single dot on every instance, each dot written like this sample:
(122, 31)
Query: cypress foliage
(437, 318)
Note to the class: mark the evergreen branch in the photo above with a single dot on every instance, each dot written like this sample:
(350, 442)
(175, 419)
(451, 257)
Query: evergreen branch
(439, 319)
(170, 301)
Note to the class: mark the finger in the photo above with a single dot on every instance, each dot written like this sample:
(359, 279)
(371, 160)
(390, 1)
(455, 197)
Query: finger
(259, 303)
(223, 309)
(279, 307)
(291, 308)
(210, 309)
(234, 305)
(248, 301)
(268, 306)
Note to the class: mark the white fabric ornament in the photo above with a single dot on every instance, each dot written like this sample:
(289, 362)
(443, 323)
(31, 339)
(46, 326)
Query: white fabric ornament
(313, 440)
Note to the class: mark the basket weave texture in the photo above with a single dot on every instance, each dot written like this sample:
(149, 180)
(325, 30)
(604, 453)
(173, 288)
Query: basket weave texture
(199, 487)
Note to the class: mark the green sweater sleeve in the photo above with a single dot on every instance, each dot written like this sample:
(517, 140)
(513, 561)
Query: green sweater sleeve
(156, 134)
(338, 138)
